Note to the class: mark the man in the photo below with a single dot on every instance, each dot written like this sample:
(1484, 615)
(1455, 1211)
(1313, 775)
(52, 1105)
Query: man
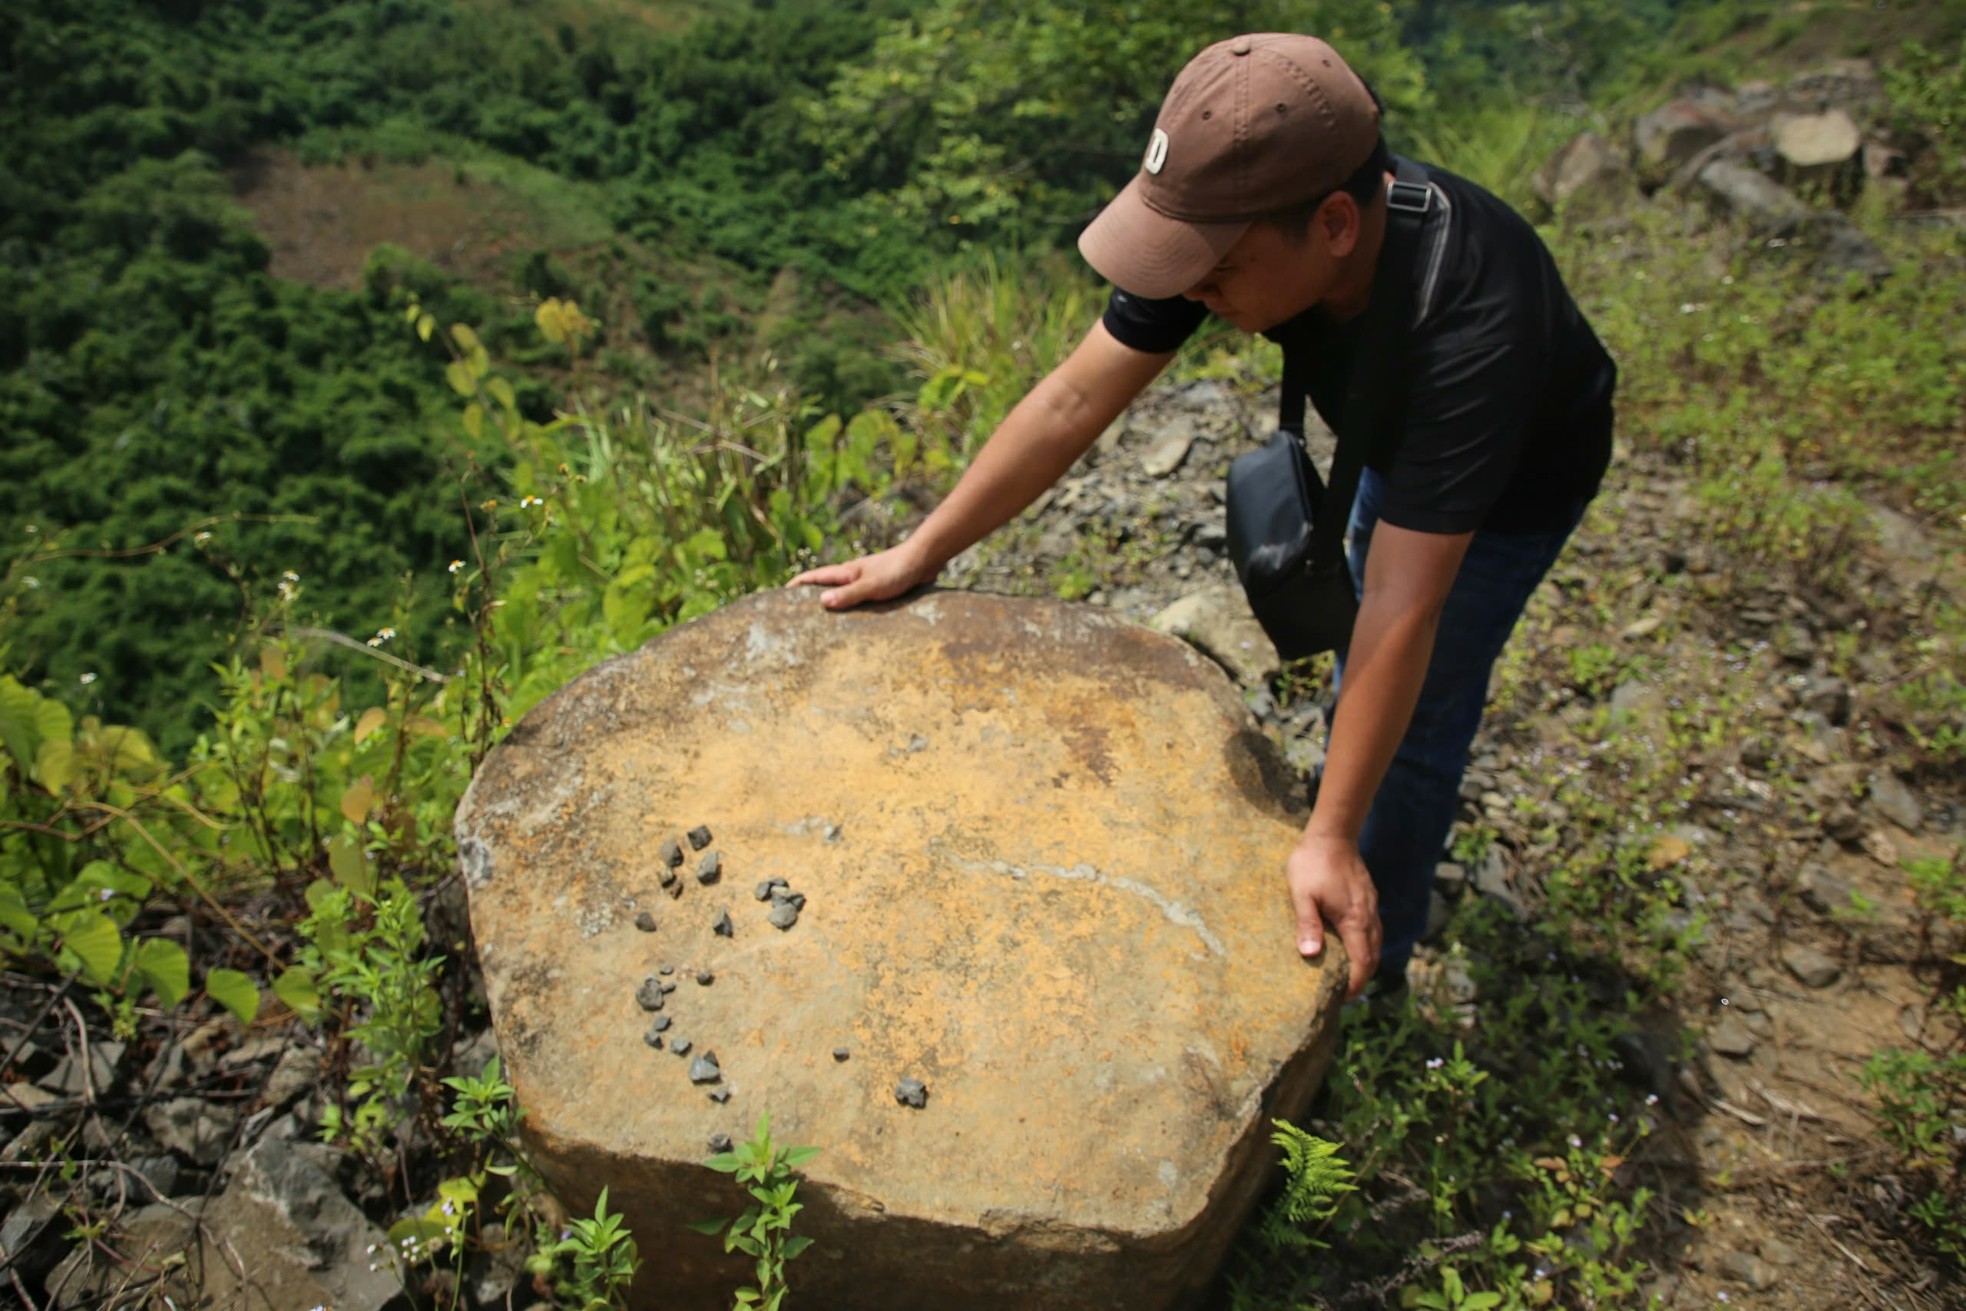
(1262, 199)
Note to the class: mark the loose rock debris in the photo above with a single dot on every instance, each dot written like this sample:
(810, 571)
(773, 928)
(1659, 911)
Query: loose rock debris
(704, 1069)
(699, 838)
(722, 926)
(645, 922)
(672, 854)
(710, 868)
(911, 1092)
(649, 995)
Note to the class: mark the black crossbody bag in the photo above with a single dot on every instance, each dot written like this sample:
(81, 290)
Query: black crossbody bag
(1286, 527)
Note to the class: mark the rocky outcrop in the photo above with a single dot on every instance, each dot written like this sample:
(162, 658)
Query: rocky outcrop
(1031, 855)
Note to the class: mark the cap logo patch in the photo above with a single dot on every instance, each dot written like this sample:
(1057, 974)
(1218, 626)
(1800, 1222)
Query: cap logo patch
(1156, 152)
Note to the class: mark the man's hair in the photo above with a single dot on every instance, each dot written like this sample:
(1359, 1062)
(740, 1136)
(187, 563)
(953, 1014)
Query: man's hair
(1366, 185)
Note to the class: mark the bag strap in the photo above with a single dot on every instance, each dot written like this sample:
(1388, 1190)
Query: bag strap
(1375, 400)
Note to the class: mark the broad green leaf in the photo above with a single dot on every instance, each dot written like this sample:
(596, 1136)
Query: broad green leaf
(97, 945)
(501, 391)
(165, 967)
(14, 914)
(372, 719)
(458, 374)
(53, 722)
(796, 1244)
(425, 325)
(18, 728)
(459, 1189)
(357, 799)
(350, 864)
(466, 339)
(710, 1227)
(235, 992)
(707, 542)
(798, 1156)
(302, 995)
(54, 764)
(474, 421)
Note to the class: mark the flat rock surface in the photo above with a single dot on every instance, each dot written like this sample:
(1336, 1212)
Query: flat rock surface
(1042, 849)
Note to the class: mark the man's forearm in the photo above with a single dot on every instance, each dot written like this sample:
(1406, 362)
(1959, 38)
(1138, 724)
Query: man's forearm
(1035, 444)
(1384, 670)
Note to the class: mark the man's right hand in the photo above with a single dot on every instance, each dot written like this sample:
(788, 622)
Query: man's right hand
(877, 577)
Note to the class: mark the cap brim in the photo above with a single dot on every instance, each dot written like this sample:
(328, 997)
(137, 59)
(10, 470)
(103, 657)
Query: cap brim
(1147, 254)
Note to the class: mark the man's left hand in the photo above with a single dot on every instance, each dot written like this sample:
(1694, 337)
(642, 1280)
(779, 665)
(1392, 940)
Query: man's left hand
(1328, 881)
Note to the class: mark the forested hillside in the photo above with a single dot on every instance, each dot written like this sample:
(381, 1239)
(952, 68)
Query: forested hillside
(368, 370)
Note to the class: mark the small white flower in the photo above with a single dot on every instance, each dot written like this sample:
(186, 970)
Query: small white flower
(30, 582)
(86, 679)
(375, 641)
(104, 895)
(385, 633)
(456, 565)
(1575, 1141)
(291, 576)
(1435, 1063)
(202, 538)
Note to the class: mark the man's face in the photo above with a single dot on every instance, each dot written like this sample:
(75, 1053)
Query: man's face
(1267, 278)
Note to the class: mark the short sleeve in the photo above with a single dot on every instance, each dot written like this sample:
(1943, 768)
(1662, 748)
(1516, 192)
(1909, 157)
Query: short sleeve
(1153, 326)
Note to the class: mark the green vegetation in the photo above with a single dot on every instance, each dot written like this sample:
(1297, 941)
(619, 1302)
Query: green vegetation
(286, 560)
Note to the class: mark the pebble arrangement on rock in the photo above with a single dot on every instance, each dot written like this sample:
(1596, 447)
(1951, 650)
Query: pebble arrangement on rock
(786, 904)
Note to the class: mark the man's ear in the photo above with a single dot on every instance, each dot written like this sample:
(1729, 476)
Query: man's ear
(1341, 221)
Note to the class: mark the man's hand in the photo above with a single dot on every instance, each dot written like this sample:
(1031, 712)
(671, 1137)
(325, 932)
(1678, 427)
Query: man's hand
(870, 578)
(1328, 881)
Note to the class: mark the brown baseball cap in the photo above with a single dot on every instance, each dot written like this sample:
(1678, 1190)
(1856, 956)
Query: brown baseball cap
(1253, 125)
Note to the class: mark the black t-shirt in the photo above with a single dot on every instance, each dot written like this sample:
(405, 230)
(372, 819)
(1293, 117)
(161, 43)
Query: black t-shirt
(1508, 410)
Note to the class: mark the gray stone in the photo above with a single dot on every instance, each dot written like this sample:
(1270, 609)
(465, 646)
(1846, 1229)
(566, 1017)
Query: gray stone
(1747, 1268)
(305, 1243)
(1167, 452)
(704, 1069)
(680, 1046)
(1769, 208)
(1674, 133)
(1843, 823)
(841, 1053)
(160, 1172)
(722, 927)
(299, 1069)
(704, 978)
(1730, 1037)
(645, 921)
(783, 915)
(151, 1238)
(649, 996)
(1896, 802)
(1778, 1253)
(1828, 696)
(720, 1095)
(67, 1077)
(911, 1092)
(672, 854)
(1217, 621)
(710, 868)
(671, 883)
(195, 1129)
(666, 971)
(720, 1143)
(660, 1024)
(699, 838)
(763, 891)
(1810, 967)
(1586, 176)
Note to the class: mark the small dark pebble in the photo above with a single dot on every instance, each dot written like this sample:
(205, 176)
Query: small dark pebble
(783, 915)
(763, 892)
(710, 868)
(911, 1092)
(660, 1024)
(705, 978)
(653, 1039)
(668, 970)
(672, 853)
(680, 1046)
(674, 887)
(668, 877)
(722, 926)
(699, 838)
(649, 995)
(720, 1095)
(704, 1069)
(645, 922)
(667, 985)
(720, 1143)
(841, 1053)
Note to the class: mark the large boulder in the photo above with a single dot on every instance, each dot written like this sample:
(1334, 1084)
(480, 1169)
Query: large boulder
(1673, 134)
(1587, 176)
(1030, 858)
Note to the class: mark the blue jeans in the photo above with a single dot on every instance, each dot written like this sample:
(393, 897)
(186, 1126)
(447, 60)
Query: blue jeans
(1406, 829)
